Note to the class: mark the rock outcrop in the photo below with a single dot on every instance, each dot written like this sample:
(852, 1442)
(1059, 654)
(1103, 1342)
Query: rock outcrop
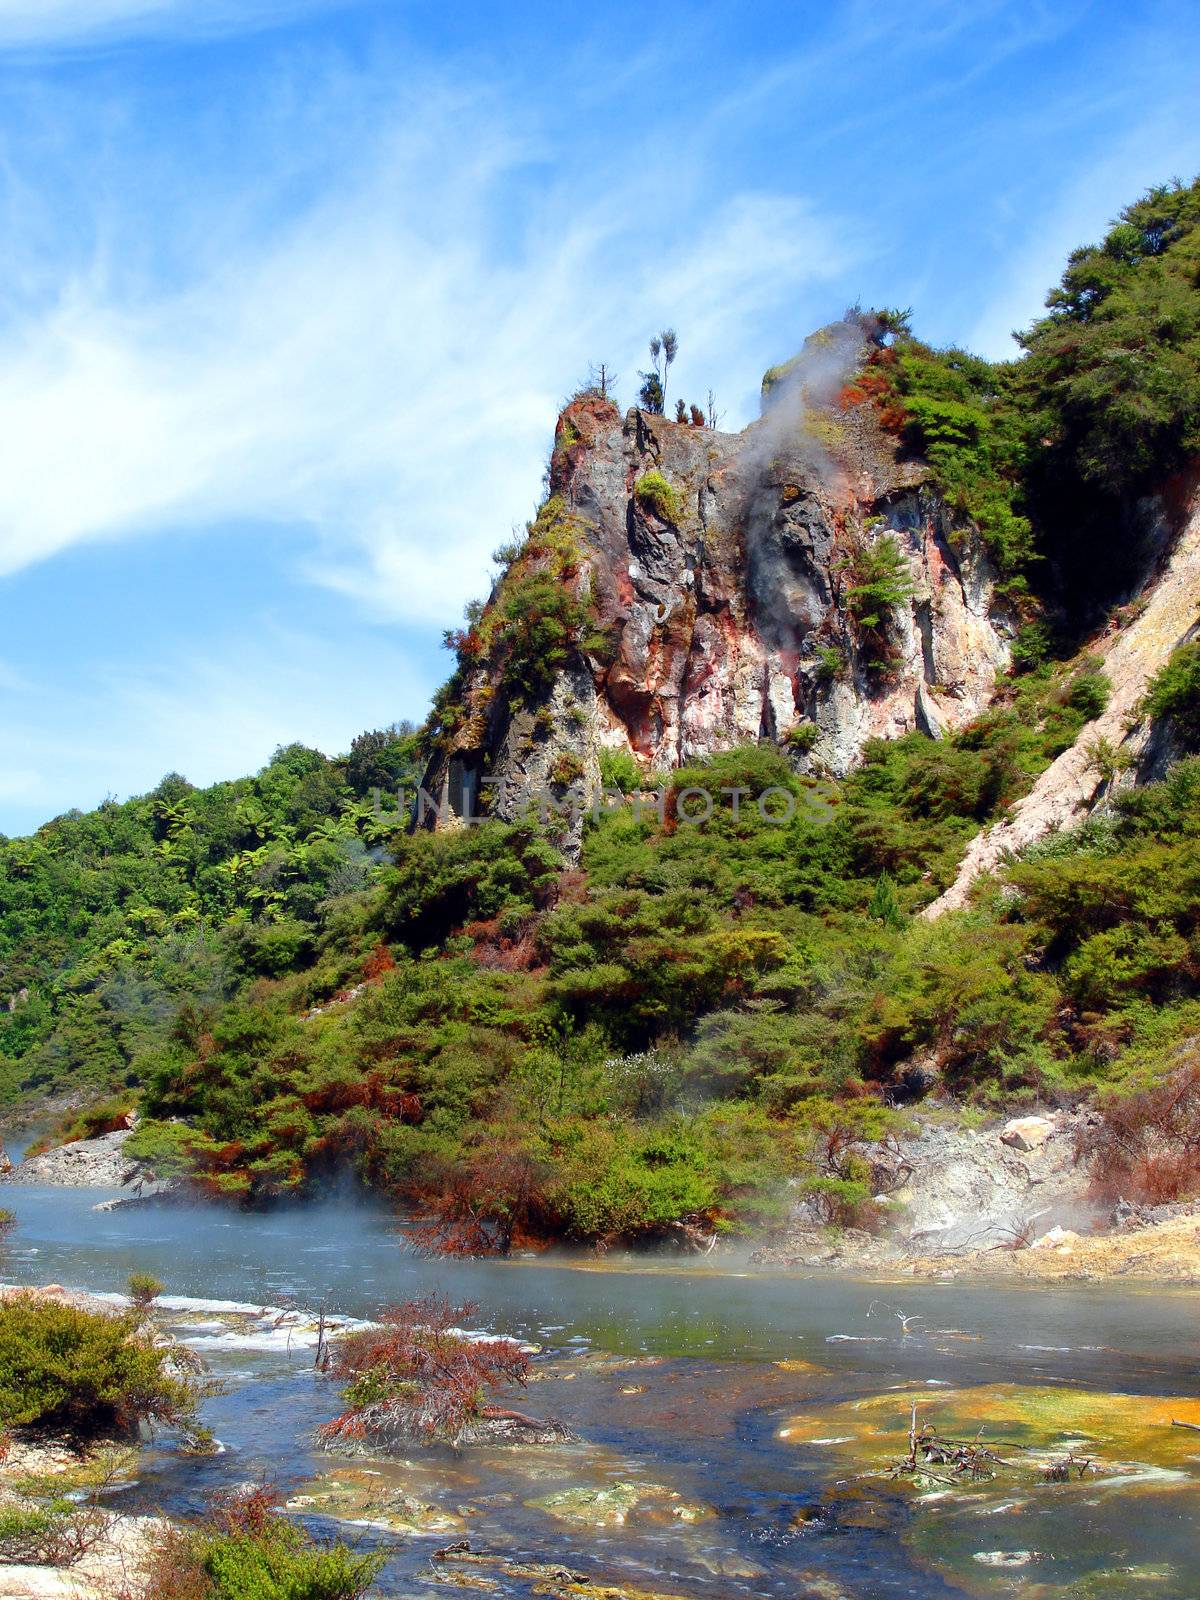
(99, 1163)
(723, 575)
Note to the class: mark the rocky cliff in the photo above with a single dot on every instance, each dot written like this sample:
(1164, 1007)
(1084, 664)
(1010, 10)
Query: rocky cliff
(800, 582)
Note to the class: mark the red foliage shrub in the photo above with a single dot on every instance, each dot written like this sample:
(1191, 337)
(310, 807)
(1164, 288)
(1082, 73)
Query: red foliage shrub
(170, 1569)
(571, 889)
(249, 1509)
(371, 1090)
(465, 642)
(484, 1204)
(416, 1375)
(501, 952)
(1146, 1146)
(378, 964)
(893, 418)
(870, 385)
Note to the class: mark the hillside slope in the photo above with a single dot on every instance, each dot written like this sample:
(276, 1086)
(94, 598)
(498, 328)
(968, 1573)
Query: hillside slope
(1166, 612)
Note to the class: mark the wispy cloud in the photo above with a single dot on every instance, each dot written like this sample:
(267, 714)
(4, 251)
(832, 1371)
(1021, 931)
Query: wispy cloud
(25, 23)
(384, 368)
(322, 291)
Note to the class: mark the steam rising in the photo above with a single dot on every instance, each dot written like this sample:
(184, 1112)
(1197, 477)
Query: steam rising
(789, 444)
(810, 381)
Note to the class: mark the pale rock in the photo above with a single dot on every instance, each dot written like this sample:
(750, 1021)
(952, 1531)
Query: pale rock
(1058, 1238)
(1027, 1133)
(99, 1163)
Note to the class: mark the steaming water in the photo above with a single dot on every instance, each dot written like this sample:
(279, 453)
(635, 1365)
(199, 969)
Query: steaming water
(671, 1376)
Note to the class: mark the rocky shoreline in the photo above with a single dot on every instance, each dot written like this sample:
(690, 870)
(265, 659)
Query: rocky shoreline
(83, 1164)
(99, 1163)
(98, 1553)
(1007, 1199)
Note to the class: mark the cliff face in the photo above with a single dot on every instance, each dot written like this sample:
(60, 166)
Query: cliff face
(728, 580)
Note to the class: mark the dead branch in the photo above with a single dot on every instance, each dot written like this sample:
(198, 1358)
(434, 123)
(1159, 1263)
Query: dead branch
(973, 1460)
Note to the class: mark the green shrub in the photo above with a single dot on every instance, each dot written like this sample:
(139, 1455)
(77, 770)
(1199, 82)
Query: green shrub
(143, 1289)
(281, 1564)
(103, 1116)
(880, 581)
(831, 664)
(25, 1530)
(1116, 364)
(802, 737)
(443, 880)
(655, 494)
(1089, 691)
(728, 1162)
(954, 411)
(1031, 646)
(1107, 759)
(885, 903)
(274, 948)
(1174, 693)
(168, 1148)
(244, 1549)
(539, 620)
(56, 1532)
(85, 1373)
(619, 770)
(752, 768)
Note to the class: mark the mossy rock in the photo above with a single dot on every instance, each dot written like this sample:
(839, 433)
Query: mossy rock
(1120, 1432)
(612, 1504)
(654, 494)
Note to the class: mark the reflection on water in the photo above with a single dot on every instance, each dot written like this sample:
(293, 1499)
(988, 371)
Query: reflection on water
(731, 1419)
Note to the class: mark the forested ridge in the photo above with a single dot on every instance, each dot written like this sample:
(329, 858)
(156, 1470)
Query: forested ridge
(286, 983)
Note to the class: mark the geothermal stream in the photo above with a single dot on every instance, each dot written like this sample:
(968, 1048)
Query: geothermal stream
(735, 1425)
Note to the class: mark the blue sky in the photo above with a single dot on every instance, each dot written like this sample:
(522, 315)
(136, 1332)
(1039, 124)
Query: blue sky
(291, 291)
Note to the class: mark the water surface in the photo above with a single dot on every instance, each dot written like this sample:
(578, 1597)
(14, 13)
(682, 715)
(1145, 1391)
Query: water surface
(723, 1410)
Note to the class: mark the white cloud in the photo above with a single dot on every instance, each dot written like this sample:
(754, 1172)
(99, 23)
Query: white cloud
(26, 23)
(384, 369)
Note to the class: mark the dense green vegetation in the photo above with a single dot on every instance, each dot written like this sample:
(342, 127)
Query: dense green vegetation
(699, 1010)
(1174, 695)
(537, 618)
(118, 924)
(1048, 452)
(656, 495)
(955, 410)
(704, 1007)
